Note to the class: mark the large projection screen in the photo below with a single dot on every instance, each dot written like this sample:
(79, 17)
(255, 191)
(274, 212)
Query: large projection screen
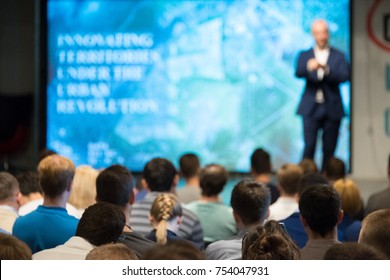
(131, 80)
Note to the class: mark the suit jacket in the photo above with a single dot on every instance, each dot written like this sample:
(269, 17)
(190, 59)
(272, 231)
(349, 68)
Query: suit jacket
(339, 71)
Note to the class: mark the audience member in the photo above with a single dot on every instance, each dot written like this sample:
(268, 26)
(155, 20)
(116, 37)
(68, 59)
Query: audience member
(174, 250)
(380, 200)
(139, 190)
(118, 251)
(261, 170)
(269, 242)
(160, 176)
(165, 217)
(351, 203)
(250, 202)
(353, 251)
(288, 177)
(320, 210)
(101, 223)
(308, 166)
(215, 217)
(115, 185)
(334, 169)
(376, 231)
(83, 188)
(189, 170)
(50, 225)
(9, 200)
(13, 249)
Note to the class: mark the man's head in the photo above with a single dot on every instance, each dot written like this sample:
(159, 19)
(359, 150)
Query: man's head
(101, 223)
(311, 179)
(115, 185)
(213, 178)
(189, 165)
(260, 162)
(320, 209)
(320, 32)
(55, 175)
(117, 251)
(334, 169)
(376, 231)
(13, 249)
(288, 176)
(250, 202)
(9, 190)
(160, 175)
(353, 251)
(29, 186)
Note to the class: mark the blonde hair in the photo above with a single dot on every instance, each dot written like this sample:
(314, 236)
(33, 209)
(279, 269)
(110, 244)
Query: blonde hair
(164, 208)
(83, 192)
(351, 201)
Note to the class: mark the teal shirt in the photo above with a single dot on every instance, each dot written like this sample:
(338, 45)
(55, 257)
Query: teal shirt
(45, 228)
(216, 219)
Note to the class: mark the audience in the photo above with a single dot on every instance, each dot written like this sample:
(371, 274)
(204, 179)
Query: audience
(353, 251)
(13, 249)
(115, 185)
(189, 170)
(376, 231)
(160, 176)
(50, 225)
(320, 209)
(288, 176)
(351, 203)
(250, 202)
(117, 251)
(9, 201)
(101, 223)
(269, 242)
(174, 250)
(215, 217)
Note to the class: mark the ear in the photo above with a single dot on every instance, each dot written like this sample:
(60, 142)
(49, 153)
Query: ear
(151, 219)
(70, 186)
(132, 197)
(144, 184)
(340, 216)
(176, 180)
(303, 221)
(236, 217)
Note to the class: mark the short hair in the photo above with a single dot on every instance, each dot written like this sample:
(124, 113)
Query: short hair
(376, 231)
(308, 165)
(174, 250)
(114, 185)
(13, 249)
(117, 251)
(353, 251)
(311, 179)
(334, 169)
(213, 179)
(8, 185)
(101, 223)
(165, 207)
(159, 174)
(83, 192)
(261, 161)
(351, 201)
(250, 200)
(55, 175)
(320, 206)
(288, 176)
(189, 165)
(269, 242)
(29, 183)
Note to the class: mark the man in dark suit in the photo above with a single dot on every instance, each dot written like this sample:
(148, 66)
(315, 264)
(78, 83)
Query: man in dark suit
(324, 68)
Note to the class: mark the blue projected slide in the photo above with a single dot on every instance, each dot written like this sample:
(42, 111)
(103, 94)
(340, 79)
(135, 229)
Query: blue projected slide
(133, 80)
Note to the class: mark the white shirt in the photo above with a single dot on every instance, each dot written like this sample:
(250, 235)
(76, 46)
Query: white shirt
(282, 208)
(33, 204)
(8, 216)
(321, 56)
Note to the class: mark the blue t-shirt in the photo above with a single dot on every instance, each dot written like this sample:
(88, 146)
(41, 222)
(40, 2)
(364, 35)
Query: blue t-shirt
(45, 228)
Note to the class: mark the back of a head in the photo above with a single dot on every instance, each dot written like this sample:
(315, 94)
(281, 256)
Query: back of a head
(9, 186)
(376, 231)
(288, 176)
(13, 249)
(213, 178)
(45, 153)
(269, 242)
(83, 192)
(159, 174)
(351, 200)
(261, 162)
(352, 251)
(174, 250)
(117, 251)
(308, 165)
(251, 201)
(101, 223)
(311, 179)
(189, 165)
(320, 206)
(334, 169)
(29, 183)
(55, 175)
(114, 185)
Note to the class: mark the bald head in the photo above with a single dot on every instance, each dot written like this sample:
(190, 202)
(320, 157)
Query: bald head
(320, 32)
